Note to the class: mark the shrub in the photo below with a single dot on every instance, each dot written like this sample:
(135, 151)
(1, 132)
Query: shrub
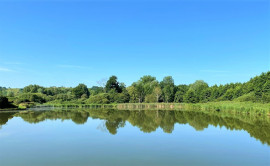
(4, 102)
(151, 98)
(31, 97)
(247, 97)
(102, 98)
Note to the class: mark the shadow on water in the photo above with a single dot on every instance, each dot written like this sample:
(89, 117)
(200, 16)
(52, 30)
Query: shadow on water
(150, 120)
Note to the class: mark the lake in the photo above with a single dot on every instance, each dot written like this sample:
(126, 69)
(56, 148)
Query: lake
(96, 137)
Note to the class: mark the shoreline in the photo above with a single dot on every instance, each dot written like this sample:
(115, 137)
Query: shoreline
(239, 107)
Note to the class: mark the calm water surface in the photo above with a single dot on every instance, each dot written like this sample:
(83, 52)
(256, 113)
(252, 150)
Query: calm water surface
(114, 137)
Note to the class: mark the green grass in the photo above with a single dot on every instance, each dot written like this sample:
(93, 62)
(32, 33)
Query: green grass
(241, 107)
(228, 106)
(224, 106)
(78, 105)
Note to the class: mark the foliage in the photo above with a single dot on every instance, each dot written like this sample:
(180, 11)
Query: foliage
(118, 97)
(179, 95)
(146, 89)
(190, 96)
(168, 89)
(157, 92)
(132, 91)
(96, 90)
(81, 90)
(112, 83)
(150, 98)
(33, 89)
(102, 98)
(31, 97)
(142, 88)
(4, 102)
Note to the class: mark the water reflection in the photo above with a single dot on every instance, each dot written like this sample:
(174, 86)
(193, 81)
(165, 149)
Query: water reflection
(149, 121)
(4, 117)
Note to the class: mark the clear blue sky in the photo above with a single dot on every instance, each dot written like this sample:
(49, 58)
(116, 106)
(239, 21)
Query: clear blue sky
(60, 43)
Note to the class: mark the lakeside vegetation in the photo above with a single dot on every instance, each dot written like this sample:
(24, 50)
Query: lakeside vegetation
(227, 106)
(146, 90)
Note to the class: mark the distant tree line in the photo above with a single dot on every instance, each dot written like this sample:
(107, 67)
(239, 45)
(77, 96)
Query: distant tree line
(146, 90)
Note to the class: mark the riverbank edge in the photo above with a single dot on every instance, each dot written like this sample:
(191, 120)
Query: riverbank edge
(12, 109)
(241, 107)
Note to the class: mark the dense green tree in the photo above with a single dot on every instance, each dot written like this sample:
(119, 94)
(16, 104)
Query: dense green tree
(149, 83)
(238, 91)
(96, 90)
(144, 87)
(80, 90)
(179, 95)
(32, 88)
(214, 92)
(266, 86)
(3, 91)
(31, 97)
(266, 98)
(118, 97)
(206, 95)
(65, 96)
(199, 86)
(139, 90)
(10, 94)
(229, 94)
(168, 89)
(190, 97)
(132, 91)
(101, 98)
(150, 98)
(157, 92)
(112, 83)
(4, 102)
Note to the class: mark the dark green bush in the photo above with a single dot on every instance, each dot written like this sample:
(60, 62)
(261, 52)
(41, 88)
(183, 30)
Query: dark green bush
(102, 98)
(4, 102)
(31, 97)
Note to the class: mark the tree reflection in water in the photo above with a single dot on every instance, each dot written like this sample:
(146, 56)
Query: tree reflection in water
(149, 120)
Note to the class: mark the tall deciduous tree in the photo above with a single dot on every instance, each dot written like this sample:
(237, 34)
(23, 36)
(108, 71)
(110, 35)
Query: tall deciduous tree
(112, 83)
(139, 91)
(190, 97)
(168, 88)
(133, 94)
(157, 92)
(179, 95)
(80, 90)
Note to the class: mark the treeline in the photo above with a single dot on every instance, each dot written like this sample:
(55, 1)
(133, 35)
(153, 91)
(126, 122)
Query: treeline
(147, 89)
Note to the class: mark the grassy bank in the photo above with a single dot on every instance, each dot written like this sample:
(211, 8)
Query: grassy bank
(233, 107)
(11, 109)
(78, 105)
(241, 107)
